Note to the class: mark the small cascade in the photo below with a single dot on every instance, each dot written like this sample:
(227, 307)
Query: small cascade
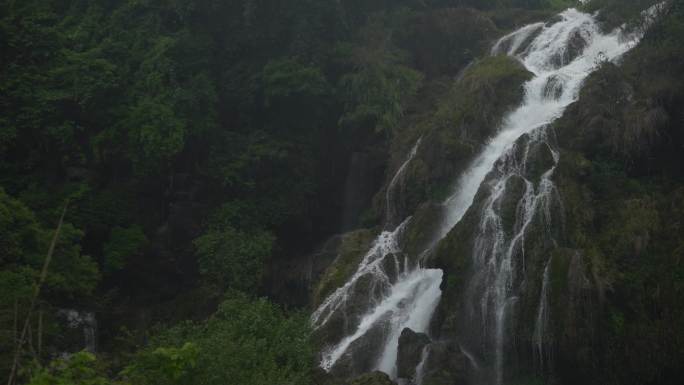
(515, 200)
(390, 194)
(519, 193)
(420, 369)
(371, 266)
(84, 329)
(541, 324)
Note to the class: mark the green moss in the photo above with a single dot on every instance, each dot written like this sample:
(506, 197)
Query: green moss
(423, 226)
(617, 12)
(353, 247)
(486, 90)
(467, 114)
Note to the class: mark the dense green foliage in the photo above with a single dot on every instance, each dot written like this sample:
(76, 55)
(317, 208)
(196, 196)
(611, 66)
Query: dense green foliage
(245, 342)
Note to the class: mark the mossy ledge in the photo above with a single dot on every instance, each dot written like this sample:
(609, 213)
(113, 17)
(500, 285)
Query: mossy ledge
(350, 251)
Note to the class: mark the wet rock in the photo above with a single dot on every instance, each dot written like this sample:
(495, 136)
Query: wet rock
(515, 189)
(345, 320)
(321, 377)
(554, 87)
(342, 256)
(375, 378)
(507, 45)
(424, 224)
(445, 364)
(525, 45)
(360, 357)
(539, 160)
(553, 20)
(393, 265)
(411, 345)
(575, 47)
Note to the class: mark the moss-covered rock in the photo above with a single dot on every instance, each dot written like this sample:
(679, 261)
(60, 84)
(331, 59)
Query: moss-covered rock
(616, 286)
(509, 205)
(424, 224)
(349, 250)
(468, 114)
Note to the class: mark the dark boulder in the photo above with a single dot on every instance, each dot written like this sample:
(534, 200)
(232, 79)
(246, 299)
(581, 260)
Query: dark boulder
(576, 44)
(411, 345)
(361, 355)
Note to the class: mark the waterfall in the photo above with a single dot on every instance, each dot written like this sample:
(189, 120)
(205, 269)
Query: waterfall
(522, 159)
(391, 291)
(390, 208)
(540, 327)
(86, 323)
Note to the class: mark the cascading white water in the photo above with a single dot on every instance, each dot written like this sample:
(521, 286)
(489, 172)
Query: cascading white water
(408, 302)
(542, 316)
(560, 56)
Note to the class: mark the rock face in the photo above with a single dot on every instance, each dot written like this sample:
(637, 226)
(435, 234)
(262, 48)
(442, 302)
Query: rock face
(320, 377)
(468, 114)
(364, 173)
(445, 364)
(294, 280)
(588, 260)
(337, 261)
(443, 152)
(411, 345)
(361, 355)
(375, 378)
(577, 41)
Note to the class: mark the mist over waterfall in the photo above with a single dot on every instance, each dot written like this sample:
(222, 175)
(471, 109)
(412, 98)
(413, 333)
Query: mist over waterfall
(509, 188)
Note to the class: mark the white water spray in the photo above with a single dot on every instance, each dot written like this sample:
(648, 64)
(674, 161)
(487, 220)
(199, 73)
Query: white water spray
(560, 56)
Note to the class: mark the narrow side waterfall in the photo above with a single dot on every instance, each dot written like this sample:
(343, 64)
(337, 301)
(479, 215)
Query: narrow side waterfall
(390, 194)
(511, 182)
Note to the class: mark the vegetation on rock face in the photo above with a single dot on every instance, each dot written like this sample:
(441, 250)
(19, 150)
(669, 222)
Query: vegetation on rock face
(351, 250)
(620, 177)
(466, 115)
